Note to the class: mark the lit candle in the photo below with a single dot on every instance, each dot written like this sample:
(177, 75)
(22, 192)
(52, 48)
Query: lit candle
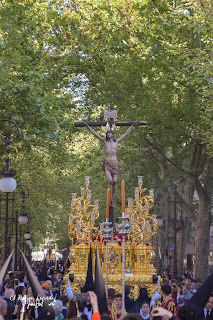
(107, 204)
(132, 217)
(82, 191)
(87, 180)
(123, 196)
(130, 203)
(77, 227)
(96, 203)
(151, 193)
(137, 193)
(92, 216)
(74, 196)
(140, 180)
(89, 194)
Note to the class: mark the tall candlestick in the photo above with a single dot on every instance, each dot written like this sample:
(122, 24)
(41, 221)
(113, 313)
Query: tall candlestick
(123, 196)
(107, 205)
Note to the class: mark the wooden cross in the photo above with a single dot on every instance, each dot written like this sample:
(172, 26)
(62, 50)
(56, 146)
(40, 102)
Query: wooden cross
(110, 114)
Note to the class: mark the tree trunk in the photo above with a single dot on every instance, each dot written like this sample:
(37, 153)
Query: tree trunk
(182, 239)
(202, 234)
(185, 226)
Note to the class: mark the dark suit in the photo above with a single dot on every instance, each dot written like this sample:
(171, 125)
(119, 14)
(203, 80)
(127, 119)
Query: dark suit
(210, 315)
(57, 294)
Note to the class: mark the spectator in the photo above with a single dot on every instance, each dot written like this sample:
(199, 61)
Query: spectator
(9, 297)
(168, 302)
(208, 310)
(19, 293)
(198, 285)
(180, 295)
(111, 296)
(60, 292)
(116, 311)
(58, 307)
(50, 284)
(167, 278)
(1, 290)
(58, 279)
(145, 310)
(5, 280)
(3, 309)
(184, 277)
(22, 280)
(64, 298)
(188, 293)
(54, 277)
(132, 316)
(71, 310)
(174, 293)
(190, 312)
(130, 304)
(46, 289)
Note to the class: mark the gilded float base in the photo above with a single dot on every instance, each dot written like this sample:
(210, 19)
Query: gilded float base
(115, 282)
(139, 261)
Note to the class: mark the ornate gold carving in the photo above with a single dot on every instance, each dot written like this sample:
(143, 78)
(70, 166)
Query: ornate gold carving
(139, 254)
(83, 216)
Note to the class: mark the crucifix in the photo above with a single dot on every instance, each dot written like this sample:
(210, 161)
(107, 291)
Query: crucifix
(110, 163)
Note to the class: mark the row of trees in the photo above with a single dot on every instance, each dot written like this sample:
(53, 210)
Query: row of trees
(63, 61)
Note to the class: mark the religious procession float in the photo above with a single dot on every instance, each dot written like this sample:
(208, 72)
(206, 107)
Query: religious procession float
(124, 253)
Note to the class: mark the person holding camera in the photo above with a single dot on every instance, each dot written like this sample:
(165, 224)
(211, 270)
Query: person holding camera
(161, 313)
(69, 289)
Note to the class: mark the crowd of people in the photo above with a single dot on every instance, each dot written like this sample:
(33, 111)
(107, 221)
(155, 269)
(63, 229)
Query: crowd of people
(171, 301)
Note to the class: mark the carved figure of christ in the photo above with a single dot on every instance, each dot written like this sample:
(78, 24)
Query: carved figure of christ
(110, 163)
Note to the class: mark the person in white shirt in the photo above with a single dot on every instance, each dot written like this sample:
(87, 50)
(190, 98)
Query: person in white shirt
(145, 310)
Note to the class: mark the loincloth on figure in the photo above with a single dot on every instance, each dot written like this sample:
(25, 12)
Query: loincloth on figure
(111, 166)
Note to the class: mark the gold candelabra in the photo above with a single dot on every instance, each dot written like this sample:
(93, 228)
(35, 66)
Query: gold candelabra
(83, 215)
(144, 225)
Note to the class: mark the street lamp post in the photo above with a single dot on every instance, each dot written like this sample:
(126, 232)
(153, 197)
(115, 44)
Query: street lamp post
(23, 218)
(7, 183)
(175, 235)
(16, 241)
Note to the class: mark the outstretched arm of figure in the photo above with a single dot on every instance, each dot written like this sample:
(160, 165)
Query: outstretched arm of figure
(127, 131)
(94, 132)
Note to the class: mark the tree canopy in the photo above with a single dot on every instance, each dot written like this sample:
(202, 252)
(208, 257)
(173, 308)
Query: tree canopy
(64, 61)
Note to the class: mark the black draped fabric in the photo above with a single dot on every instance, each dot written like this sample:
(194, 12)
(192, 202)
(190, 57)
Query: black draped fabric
(130, 305)
(99, 285)
(44, 271)
(201, 297)
(89, 278)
